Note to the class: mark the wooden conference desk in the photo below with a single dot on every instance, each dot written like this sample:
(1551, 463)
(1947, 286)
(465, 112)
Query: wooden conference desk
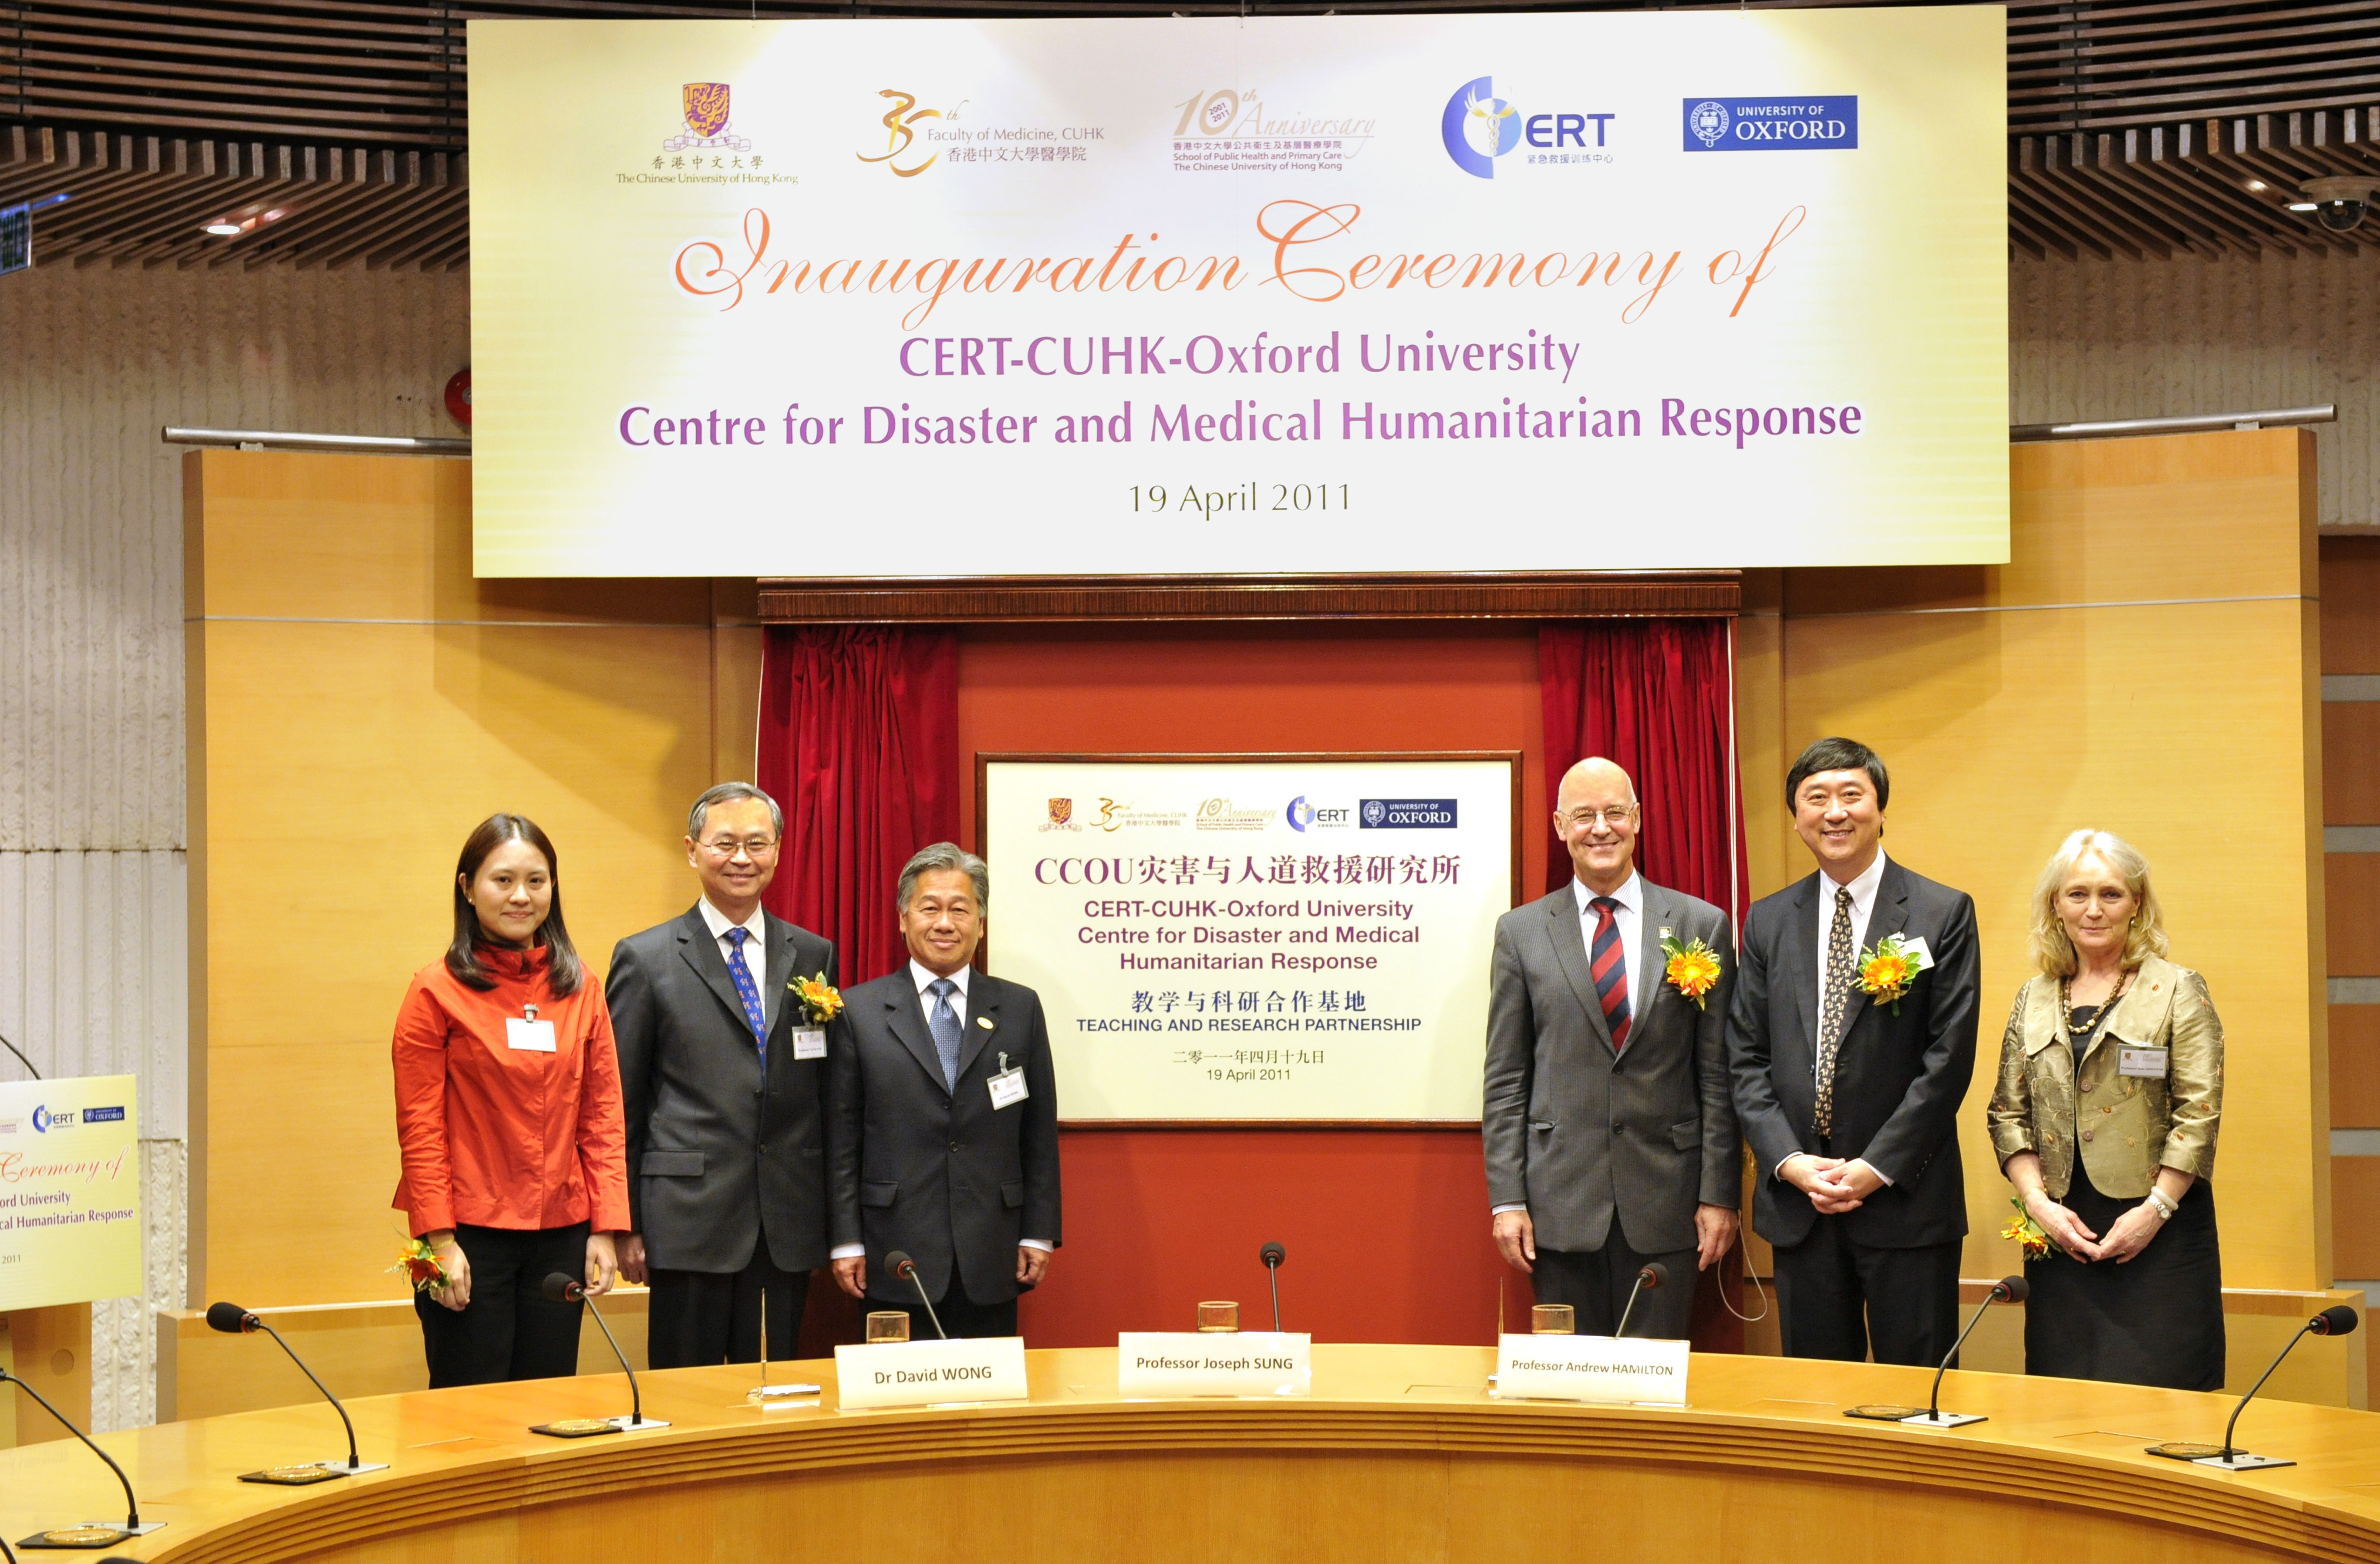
(1399, 1455)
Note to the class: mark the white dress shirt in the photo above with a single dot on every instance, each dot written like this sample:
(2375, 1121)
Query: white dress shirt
(1863, 891)
(756, 949)
(1627, 919)
(924, 980)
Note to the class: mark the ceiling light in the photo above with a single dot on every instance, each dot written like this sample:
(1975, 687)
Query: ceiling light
(2302, 206)
(2257, 185)
(245, 220)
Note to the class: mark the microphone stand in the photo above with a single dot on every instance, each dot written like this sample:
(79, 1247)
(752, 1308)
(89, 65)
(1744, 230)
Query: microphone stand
(1273, 1255)
(2339, 1319)
(1654, 1274)
(563, 1289)
(132, 1524)
(908, 1269)
(1933, 1417)
(355, 1462)
(28, 1063)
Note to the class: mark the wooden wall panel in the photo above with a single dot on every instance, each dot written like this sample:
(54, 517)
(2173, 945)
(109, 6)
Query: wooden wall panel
(2353, 880)
(2351, 757)
(2355, 1070)
(359, 703)
(2007, 729)
(2355, 1196)
(2350, 605)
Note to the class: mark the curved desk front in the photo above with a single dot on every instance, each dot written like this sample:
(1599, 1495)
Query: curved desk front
(1399, 1455)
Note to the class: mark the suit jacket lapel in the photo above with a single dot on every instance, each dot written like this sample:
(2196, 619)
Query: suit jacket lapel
(905, 1014)
(701, 953)
(781, 967)
(983, 1004)
(1569, 935)
(1801, 948)
(1885, 919)
(1661, 910)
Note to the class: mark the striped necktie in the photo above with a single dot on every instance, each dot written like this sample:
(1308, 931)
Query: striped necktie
(1610, 969)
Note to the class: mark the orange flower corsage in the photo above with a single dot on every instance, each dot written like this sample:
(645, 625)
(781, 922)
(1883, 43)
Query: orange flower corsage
(2025, 1230)
(1693, 968)
(1886, 971)
(819, 999)
(419, 1264)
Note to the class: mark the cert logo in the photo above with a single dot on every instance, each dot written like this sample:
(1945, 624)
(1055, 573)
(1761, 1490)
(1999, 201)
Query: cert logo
(1301, 812)
(1478, 127)
(44, 1121)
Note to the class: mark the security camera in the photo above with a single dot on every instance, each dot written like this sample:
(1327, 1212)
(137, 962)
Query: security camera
(2339, 202)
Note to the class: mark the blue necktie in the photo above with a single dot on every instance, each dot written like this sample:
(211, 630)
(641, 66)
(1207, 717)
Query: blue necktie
(944, 1021)
(745, 990)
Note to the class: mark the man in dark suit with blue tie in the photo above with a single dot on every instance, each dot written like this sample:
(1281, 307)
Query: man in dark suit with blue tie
(1849, 1086)
(944, 1136)
(725, 1085)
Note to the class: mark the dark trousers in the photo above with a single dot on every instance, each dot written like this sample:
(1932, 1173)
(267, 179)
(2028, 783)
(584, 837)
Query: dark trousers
(696, 1318)
(1595, 1283)
(962, 1317)
(510, 1330)
(1838, 1299)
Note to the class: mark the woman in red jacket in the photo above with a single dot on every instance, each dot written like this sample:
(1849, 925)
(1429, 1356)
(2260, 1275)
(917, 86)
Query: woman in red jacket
(508, 1121)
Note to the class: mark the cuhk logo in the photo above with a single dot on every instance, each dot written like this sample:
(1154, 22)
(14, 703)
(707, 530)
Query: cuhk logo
(1479, 128)
(1060, 811)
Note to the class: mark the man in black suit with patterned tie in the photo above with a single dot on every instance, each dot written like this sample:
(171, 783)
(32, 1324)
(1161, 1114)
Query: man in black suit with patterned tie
(725, 1085)
(1849, 1077)
(944, 1138)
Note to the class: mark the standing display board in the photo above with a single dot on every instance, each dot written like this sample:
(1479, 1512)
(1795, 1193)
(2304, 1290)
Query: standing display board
(70, 1191)
(1257, 939)
(1322, 295)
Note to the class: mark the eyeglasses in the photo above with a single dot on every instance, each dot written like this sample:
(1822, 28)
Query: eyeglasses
(727, 847)
(1617, 816)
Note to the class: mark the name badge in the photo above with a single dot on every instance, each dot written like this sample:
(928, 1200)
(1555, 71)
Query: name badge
(1008, 1087)
(910, 1374)
(1920, 957)
(2147, 1064)
(1158, 1364)
(530, 1036)
(809, 1042)
(1621, 1370)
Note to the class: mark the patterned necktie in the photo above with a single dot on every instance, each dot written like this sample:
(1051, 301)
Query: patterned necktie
(1610, 968)
(1837, 1000)
(748, 991)
(944, 1022)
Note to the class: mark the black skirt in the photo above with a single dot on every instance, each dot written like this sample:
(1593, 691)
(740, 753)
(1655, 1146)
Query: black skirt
(2155, 1319)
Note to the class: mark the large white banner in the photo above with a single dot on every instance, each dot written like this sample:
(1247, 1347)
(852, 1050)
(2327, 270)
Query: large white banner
(1253, 940)
(1309, 295)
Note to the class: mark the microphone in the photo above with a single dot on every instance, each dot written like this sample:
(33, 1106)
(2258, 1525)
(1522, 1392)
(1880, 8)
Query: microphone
(1273, 1255)
(233, 1320)
(85, 1536)
(2339, 1319)
(2008, 1289)
(900, 1265)
(564, 1289)
(1647, 1279)
(28, 1063)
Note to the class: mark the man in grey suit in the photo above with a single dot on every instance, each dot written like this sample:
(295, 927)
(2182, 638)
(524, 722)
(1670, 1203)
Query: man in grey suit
(945, 1131)
(725, 1085)
(1610, 1138)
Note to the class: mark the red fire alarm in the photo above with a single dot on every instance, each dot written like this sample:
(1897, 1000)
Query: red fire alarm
(458, 397)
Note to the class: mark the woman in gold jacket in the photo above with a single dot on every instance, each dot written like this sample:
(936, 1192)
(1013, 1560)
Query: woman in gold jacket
(2110, 1090)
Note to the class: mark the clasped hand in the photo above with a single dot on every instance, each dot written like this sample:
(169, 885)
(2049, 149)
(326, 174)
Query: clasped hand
(1834, 1184)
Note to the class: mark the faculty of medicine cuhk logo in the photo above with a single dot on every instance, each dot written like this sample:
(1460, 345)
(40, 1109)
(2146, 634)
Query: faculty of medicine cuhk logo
(706, 121)
(1707, 121)
(1479, 128)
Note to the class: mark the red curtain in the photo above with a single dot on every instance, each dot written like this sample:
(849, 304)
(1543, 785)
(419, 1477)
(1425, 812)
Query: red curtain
(1658, 697)
(859, 744)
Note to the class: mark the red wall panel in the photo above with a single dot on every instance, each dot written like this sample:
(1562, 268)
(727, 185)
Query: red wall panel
(1386, 1230)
